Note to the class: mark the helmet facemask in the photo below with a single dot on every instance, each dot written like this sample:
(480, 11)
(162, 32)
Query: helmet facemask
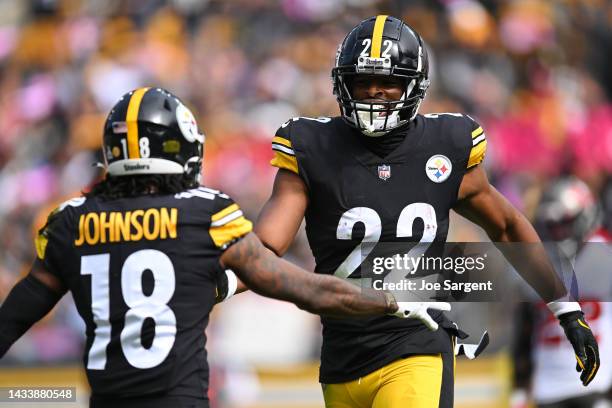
(375, 119)
(378, 118)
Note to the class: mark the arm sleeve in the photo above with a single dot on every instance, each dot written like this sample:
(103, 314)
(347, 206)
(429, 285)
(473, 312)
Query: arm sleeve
(479, 144)
(28, 302)
(228, 224)
(284, 154)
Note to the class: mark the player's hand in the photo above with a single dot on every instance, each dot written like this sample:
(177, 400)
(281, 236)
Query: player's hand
(418, 310)
(585, 346)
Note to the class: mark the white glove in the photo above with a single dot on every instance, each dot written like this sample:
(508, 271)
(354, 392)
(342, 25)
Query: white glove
(418, 310)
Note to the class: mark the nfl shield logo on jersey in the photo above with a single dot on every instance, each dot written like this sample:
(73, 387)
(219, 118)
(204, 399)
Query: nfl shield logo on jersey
(384, 171)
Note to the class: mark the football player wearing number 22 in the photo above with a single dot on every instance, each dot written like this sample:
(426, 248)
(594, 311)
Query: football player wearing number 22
(144, 254)
(396, 174)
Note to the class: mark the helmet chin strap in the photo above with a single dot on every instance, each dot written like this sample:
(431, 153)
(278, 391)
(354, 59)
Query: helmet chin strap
(416, 109)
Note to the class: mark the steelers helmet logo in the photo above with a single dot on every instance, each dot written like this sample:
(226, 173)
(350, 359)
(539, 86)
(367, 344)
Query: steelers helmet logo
(438, 168)
(116, 152)
(187, 124)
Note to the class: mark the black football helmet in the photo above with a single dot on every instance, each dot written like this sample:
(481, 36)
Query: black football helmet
(381, 45)
(566, 214)
(150, 131)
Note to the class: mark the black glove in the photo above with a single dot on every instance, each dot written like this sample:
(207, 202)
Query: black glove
(579, 334)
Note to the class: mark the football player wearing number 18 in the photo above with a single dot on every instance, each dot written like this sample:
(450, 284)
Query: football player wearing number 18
(143, 254)
(381, 172)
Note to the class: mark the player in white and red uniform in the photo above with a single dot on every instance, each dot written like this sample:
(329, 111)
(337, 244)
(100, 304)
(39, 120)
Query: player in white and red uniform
(567, 215)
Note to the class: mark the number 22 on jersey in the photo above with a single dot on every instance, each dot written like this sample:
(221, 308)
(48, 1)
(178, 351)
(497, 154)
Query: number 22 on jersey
(373, 229)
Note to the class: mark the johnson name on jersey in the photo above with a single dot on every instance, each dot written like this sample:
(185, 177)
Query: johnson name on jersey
(143, 273)
(358, 199)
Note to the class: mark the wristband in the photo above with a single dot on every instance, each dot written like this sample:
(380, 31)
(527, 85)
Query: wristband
(232, 284)
(558, 307)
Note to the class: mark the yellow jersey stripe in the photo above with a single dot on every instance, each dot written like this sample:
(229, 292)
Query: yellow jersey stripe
(285, 161)
(379, 26)
(477, 154)
(477, 132)
(226, 211)
(282, 140)
(478, 139)
(230, 217)
(280, 148)
(231, 231)
(131, 120)
(41, 245)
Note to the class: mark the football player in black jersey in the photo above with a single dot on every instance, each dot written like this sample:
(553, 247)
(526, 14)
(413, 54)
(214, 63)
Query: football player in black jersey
(144, 254)
(381, 172)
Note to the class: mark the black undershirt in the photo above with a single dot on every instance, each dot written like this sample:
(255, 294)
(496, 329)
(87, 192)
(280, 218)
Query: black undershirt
(383, 145)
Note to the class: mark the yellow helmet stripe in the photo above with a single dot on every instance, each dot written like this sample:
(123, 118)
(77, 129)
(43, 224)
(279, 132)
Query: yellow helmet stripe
(379, 26)
(131, 121)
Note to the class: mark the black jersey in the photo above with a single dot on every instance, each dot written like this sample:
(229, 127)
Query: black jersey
(143, 275)
(357, 197)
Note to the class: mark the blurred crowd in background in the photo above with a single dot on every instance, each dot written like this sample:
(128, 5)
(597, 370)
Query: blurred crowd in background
(534, 73)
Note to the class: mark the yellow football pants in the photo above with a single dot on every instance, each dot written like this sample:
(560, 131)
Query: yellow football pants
(414, 382)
